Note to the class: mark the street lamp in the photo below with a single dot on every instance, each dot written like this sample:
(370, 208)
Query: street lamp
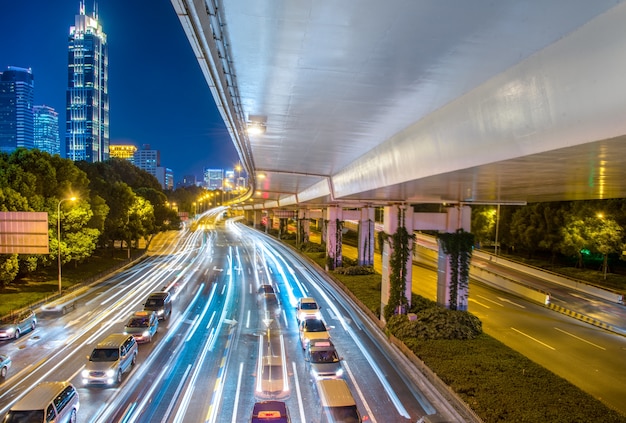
(59, 236)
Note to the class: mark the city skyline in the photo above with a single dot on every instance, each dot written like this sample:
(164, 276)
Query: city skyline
(157, 92)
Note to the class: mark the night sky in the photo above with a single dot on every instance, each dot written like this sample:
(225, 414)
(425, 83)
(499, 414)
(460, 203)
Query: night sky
(157, 93)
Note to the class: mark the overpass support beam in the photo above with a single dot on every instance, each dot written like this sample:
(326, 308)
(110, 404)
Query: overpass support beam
(392, 219)
(304, 226)
(366, 237)
(458, 218)
(334, 235)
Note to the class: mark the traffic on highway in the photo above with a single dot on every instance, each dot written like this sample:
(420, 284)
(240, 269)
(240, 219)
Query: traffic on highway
(214, 325)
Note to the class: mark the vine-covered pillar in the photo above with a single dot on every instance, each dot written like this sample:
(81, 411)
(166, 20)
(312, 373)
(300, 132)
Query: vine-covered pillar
(457, 218)
(334, 227)
(256, 218)
(304, 222)
(366, 237)
(392, 218)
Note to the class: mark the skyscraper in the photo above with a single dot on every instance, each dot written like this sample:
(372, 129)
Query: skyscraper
(46, 129)
(17, 94)
(87, 100)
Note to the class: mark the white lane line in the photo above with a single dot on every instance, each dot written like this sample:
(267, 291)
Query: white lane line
(534, 339)
(580, 339)
(490, 300)
(234, 419)
(479, 303)
(298, 393)
(358, 390)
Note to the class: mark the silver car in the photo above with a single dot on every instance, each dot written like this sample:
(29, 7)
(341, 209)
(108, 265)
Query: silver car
(5, 365)
(15, 325)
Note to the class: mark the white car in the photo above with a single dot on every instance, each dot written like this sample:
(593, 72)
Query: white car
(307, 308)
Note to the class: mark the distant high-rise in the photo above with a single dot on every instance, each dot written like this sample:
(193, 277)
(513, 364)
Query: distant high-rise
(87, 100)
(17, 94)
(123, 151)
(46, 129)
(147, 159)
(214, 178)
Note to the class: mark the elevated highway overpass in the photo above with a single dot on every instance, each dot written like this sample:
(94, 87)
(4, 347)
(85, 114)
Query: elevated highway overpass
(363, 102)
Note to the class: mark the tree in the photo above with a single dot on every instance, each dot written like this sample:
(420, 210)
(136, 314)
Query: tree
(9, 267)
(605, 237)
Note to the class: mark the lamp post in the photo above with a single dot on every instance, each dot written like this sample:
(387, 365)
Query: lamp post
(59, 237)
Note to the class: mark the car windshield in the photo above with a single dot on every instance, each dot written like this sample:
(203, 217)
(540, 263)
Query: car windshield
(139, 322)
(154, 302)
(104, 354)
(24, 416)
(314, 325)
(309, 306)
(346, 414)
(324, 357)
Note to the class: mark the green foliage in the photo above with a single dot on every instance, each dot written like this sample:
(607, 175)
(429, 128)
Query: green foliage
(435, 322)
(312, 247)
(354, 270)
(501, 385)
(459, 246)
(9, 267)
(401, 245)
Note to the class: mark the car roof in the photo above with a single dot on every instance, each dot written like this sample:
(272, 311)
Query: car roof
(159, 294)
(335, 393)
(308, 300)
(321, 345)
(274, 411)
(39, 397)
(145, 313)
(113, 341)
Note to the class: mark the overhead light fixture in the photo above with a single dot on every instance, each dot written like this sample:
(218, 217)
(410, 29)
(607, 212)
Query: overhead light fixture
(257, 124)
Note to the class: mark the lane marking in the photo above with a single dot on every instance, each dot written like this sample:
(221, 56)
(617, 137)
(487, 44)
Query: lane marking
(491, 301)
(479, 303)
(580, 339)
(534, 339)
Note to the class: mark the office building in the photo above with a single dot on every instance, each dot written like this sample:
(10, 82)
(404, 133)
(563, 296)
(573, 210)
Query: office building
(46, 129)
(214, 178)
(123, 151)
(17, 94)
(187, 181)
(87, 98)
(147, 159)
(165, 176)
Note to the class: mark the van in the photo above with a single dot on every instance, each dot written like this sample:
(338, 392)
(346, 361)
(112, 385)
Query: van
(110, 359)
(47, 402)
(338, 404)
(161, 303)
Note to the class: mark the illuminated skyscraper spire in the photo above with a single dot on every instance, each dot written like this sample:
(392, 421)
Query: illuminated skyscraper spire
(87, 99)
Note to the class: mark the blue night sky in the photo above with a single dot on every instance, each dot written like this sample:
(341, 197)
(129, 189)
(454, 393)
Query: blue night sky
(157, 93)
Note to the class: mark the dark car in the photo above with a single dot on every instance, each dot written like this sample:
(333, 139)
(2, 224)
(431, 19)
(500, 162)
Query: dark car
(161, 303)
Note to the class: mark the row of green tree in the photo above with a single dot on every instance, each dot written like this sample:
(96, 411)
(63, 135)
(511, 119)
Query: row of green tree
(576, 229)
(115, 203)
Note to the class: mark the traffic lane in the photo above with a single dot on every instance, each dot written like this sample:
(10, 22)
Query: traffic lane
(396, 400)
(375, 373)
(65, 335)
(589, 358)
(53, 328)
(565, 296)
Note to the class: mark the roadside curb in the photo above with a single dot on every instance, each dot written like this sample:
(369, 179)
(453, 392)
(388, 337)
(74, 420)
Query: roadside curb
(584, 318)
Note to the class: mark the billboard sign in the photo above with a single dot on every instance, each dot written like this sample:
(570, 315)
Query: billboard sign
(24, 233)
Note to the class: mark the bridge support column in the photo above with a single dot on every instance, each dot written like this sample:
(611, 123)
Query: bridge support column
(256, 218)
(334, 237)
(458, 218)
(304, 226)
(366, 237)
(393, 217)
